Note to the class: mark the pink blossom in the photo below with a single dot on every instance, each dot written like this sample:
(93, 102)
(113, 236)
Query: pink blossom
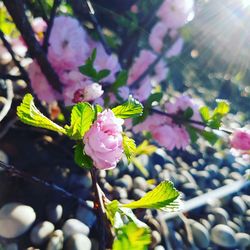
(123, 92)
(157, 35)
(39, 25)
(240, 139)
(144, 91)
(161, 71)
(88, 93)
(103, 141)
(68, 43)
(176, 48)
(105, 61)
(176, 13)
(182, 103)
(40, 85)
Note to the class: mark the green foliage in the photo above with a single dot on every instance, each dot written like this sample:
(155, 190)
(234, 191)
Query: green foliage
(29, 114)
(89, 70)
(131, 237)
(80, 158)
(188, 113)
(164, 197)
(128, 146)
(210, 136)
(205, 113)
(82, 117)
(129, 109)
(121, 80)
(145, 148)
(155, 97)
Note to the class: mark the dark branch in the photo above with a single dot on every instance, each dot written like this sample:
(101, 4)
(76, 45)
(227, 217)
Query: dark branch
(17, 63)
(17, 12)
(33, 179)
(50, 25)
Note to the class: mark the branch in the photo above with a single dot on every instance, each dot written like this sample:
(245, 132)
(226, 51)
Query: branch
(50, 25)
(12, 53)
(99, 206)
(33, 179)
(17, 12)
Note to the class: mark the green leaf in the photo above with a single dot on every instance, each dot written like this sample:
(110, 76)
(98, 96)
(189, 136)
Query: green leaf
(211, 137)
(223, 107)
(192, 134)
(155, 97)
(137, 163)
(145, 148)
(88, 68)
(132, 237)
(82, 116)
(129, 109)
(164, 196)
(81, 159)
(128, 146)
(29, 114)
(143, 117)
(205, 113)
(113, 214)
(188, 113)
(102, 74)
(121, 80)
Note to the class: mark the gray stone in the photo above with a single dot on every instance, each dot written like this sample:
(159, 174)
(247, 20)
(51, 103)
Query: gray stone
(159, 247)
(243, 240)
(189, 188)
(11, 246)
(205, 223)
(223, 236)
(200, 234)
(140, 182)
(120, 193)
(3, 157)
(54, 212)
(74, 226)
(15, 219)
(78, 242)
(138, 193)
(155, 238)
(239, 205)
(246, 199)
(234, 226)
(126, 181)
(41, 232)
(56, 241)
(221, 215)
(86, 216)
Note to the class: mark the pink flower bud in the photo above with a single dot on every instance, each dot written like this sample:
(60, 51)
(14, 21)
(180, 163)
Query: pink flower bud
(240, 139)
(103, 141)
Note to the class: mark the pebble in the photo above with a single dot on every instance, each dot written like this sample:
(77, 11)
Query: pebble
(86, 216)
(239, 205)
(126, 181)
(205, 223)
(234, 226)
(189, 188)
(155, 238)
(41, 232)
(246, 199)
(221, 215)
(243, 240)
(223, 236)
(159, 247)
(78, 242)
(15, 219)
(140, 182)
(3, 157)
(138, 193)
(56, 241)
(54, 212)
(200, 234)
(74, 226)
(11, 246)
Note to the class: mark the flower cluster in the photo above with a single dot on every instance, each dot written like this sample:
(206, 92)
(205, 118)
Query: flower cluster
(69, 47)
(103, 141)
(165, 130)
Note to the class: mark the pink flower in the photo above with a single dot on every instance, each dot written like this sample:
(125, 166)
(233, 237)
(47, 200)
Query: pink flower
(182, 103)
(157, 35)
(176, 48)
(88, 93)
(240, 139)
(68, 43)
(103, 141)
(105, 61)
(144, 91)
(176, 13)
(40, 85)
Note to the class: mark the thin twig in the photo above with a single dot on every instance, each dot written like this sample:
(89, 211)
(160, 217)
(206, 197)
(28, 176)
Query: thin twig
(7, 127)
(16, 172)
(11, 77)
(10, 95)
(50, 25)
(99, 206)
(17, 63)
